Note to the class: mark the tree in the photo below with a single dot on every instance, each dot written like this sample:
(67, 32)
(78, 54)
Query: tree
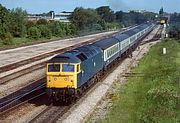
(119, 16)
(161, 11)
(17, 24)
(150, 16)
(83, 18)
(106, 13)
(4, 21)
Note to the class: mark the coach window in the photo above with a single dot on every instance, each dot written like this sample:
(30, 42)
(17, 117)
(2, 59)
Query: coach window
(108, 53)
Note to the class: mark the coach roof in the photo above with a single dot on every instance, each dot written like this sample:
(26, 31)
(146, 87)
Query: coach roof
(106, 43)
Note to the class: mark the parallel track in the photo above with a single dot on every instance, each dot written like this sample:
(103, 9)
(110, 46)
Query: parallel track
(22, 72)
(156, 37)
(22, 96)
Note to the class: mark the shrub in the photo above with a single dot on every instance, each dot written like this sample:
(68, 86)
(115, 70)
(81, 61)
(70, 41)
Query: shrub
(7, 39)
(45, 31)
(34, 33)
(42, 22)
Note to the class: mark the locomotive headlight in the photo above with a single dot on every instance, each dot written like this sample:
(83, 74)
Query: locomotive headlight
(65, 79)
(55, 78)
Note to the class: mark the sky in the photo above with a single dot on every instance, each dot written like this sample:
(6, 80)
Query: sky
(41, 6)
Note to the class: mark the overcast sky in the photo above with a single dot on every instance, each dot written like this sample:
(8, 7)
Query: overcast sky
(40, 6)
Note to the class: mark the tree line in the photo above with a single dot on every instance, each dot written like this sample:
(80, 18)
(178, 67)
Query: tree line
(103, 18)
(174, 28)
(14, 23)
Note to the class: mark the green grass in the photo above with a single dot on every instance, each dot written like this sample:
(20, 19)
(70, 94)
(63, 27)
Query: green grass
(152, 98)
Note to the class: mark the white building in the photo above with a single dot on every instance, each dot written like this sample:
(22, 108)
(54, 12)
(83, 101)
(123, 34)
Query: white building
(63, 16)
(138, 11)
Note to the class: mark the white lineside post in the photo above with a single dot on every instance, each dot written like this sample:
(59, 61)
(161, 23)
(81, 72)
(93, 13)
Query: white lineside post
(164, 50)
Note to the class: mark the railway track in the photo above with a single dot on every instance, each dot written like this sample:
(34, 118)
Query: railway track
(156, 37)
(22, 72)
(50, 114)
(22, 96)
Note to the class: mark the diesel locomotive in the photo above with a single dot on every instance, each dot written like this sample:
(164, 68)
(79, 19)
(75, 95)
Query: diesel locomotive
(69, 73)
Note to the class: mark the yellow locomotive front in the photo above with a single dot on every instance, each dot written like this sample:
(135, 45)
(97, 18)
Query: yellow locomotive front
(62, 75)
(61, 78)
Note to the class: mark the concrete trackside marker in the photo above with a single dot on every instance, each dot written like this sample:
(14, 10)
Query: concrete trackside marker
(164, 50)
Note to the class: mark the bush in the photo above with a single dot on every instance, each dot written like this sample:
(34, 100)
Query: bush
(42, 22)
(45, 32)
(34, 33)
(29, 24)
(57, 29)
(7, 39)
(97, 27)
(112, 26)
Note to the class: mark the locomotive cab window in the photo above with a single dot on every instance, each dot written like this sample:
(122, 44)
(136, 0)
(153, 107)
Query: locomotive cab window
(67, 68)
(54, 68)
(78, 68)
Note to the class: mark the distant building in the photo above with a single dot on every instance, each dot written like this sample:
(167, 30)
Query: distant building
(138, 11)
(63, 16)
(36, 17)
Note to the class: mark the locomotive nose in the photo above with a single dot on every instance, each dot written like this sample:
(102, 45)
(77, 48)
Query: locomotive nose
(60, 81)
(62, 75)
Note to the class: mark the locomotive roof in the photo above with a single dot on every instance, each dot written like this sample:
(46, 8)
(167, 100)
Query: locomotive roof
(64, 58)
(105, 43)
(88, 50)
(76, 55)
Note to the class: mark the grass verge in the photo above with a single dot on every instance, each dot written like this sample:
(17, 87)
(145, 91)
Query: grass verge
(155, 95)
